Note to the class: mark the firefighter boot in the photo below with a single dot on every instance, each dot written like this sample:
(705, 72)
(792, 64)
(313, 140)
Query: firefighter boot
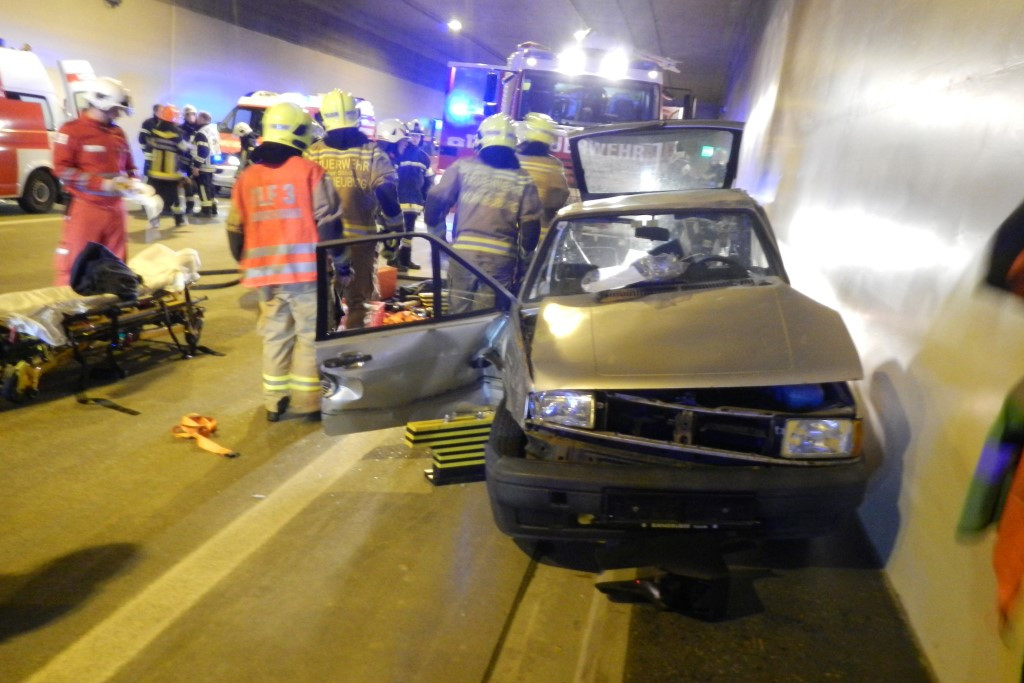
(405, 260)
(282, 406)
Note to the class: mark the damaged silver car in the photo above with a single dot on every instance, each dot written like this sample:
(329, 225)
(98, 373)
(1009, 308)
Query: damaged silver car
(656, 373)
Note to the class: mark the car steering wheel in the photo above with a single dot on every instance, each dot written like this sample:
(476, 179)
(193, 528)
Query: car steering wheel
(733, 269)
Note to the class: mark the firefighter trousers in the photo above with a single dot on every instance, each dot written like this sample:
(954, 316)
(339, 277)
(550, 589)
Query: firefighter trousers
(362, 287)
(287, 323)
(207, 193)
(168, 189)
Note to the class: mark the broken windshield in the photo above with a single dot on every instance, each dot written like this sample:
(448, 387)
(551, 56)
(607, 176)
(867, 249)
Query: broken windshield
(703, 248)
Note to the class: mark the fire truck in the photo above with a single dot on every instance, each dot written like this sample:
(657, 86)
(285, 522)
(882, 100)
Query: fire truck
(249, 109)
(29, 119)
(578, 88)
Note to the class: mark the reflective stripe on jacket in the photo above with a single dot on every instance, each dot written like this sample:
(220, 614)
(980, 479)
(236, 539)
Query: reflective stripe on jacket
(166, 147)
(274, 206)
(413, 171)
(492, 206)
(356, 173)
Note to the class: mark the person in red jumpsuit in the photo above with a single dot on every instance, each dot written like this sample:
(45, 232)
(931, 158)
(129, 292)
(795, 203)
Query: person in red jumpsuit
(93, 161)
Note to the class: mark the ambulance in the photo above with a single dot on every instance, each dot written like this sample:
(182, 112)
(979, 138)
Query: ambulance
(30, 116)
(249, 110)
(579, 87)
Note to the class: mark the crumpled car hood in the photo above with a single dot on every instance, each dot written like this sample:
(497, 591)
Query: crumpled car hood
(732, 336)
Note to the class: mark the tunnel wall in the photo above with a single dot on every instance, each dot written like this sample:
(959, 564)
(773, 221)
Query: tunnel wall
(166, 54)
(885, 139)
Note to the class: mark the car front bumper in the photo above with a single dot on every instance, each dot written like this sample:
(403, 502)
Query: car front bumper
(591, 502)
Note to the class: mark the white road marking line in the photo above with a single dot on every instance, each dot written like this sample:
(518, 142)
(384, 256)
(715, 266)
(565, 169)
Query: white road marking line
(33, 219)
(602, 655)
(114, 642)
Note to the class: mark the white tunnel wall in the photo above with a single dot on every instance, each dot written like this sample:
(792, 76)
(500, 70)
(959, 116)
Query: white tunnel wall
(887, 139)
(166, 54)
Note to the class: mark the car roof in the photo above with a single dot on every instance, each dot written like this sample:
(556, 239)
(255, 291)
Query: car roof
(664, 202)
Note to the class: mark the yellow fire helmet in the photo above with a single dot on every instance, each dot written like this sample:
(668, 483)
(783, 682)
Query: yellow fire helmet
(539, 128)
(339, 110)
(288, 124)
(497, 129)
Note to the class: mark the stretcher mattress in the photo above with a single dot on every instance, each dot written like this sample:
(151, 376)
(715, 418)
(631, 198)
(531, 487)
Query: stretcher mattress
(40, 313)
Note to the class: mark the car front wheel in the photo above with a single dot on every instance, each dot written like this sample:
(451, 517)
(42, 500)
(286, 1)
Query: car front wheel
(40, 192)
(506, 438)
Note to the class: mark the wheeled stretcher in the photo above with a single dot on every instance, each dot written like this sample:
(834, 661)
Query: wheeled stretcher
(43, 328)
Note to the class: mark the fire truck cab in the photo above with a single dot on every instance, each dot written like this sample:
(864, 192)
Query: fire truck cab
(578, 88)
(30, 117)
(249, 109)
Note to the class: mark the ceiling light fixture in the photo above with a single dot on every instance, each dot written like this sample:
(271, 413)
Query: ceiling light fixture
(454, 25)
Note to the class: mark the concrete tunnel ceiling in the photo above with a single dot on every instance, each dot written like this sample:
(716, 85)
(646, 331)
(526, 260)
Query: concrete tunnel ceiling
(707, 38)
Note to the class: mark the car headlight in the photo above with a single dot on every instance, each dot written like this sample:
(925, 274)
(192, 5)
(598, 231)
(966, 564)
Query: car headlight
(820, 438)
(569, 408)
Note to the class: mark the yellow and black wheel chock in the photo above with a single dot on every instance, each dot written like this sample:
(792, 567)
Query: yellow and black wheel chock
(456, 444)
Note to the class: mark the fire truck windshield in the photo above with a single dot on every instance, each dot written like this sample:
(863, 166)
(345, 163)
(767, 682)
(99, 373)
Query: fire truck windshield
(587, 100)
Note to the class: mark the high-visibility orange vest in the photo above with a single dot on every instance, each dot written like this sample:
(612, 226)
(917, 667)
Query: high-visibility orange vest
(276, 207)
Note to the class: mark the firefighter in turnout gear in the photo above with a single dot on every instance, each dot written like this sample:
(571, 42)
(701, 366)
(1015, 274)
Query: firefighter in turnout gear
(205, 146)
(189, 128)
(280, 208)
(167, 148)
(537, 132)
(365, 180)
(414, 179)
(144, 130)
(92, 159)
(247, 143)
(497, 210)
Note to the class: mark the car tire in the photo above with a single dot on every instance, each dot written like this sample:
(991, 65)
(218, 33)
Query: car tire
(506, 439)
(40, 192)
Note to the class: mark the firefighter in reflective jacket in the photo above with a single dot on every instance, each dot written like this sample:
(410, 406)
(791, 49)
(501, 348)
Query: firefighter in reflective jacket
(537, 133)
(414, 180)
(280, 208)
(167, 148)
(92, 158)
(247, 141)
(144, 131)
(206, 146)
(365, 180)
(498, 211)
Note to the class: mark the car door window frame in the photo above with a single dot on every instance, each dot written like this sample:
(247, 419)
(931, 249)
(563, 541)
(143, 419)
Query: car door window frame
(503, 299)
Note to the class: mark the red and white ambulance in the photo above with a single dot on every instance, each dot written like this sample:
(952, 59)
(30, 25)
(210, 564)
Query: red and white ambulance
(249, 110)
(30, 116)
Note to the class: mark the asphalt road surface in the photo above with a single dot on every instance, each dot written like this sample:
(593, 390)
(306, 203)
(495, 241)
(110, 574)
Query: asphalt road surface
(131, 555)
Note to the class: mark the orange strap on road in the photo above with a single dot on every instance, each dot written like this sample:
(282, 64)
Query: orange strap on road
(200, 427)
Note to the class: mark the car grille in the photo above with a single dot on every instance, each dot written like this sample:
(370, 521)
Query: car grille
(722, 428)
